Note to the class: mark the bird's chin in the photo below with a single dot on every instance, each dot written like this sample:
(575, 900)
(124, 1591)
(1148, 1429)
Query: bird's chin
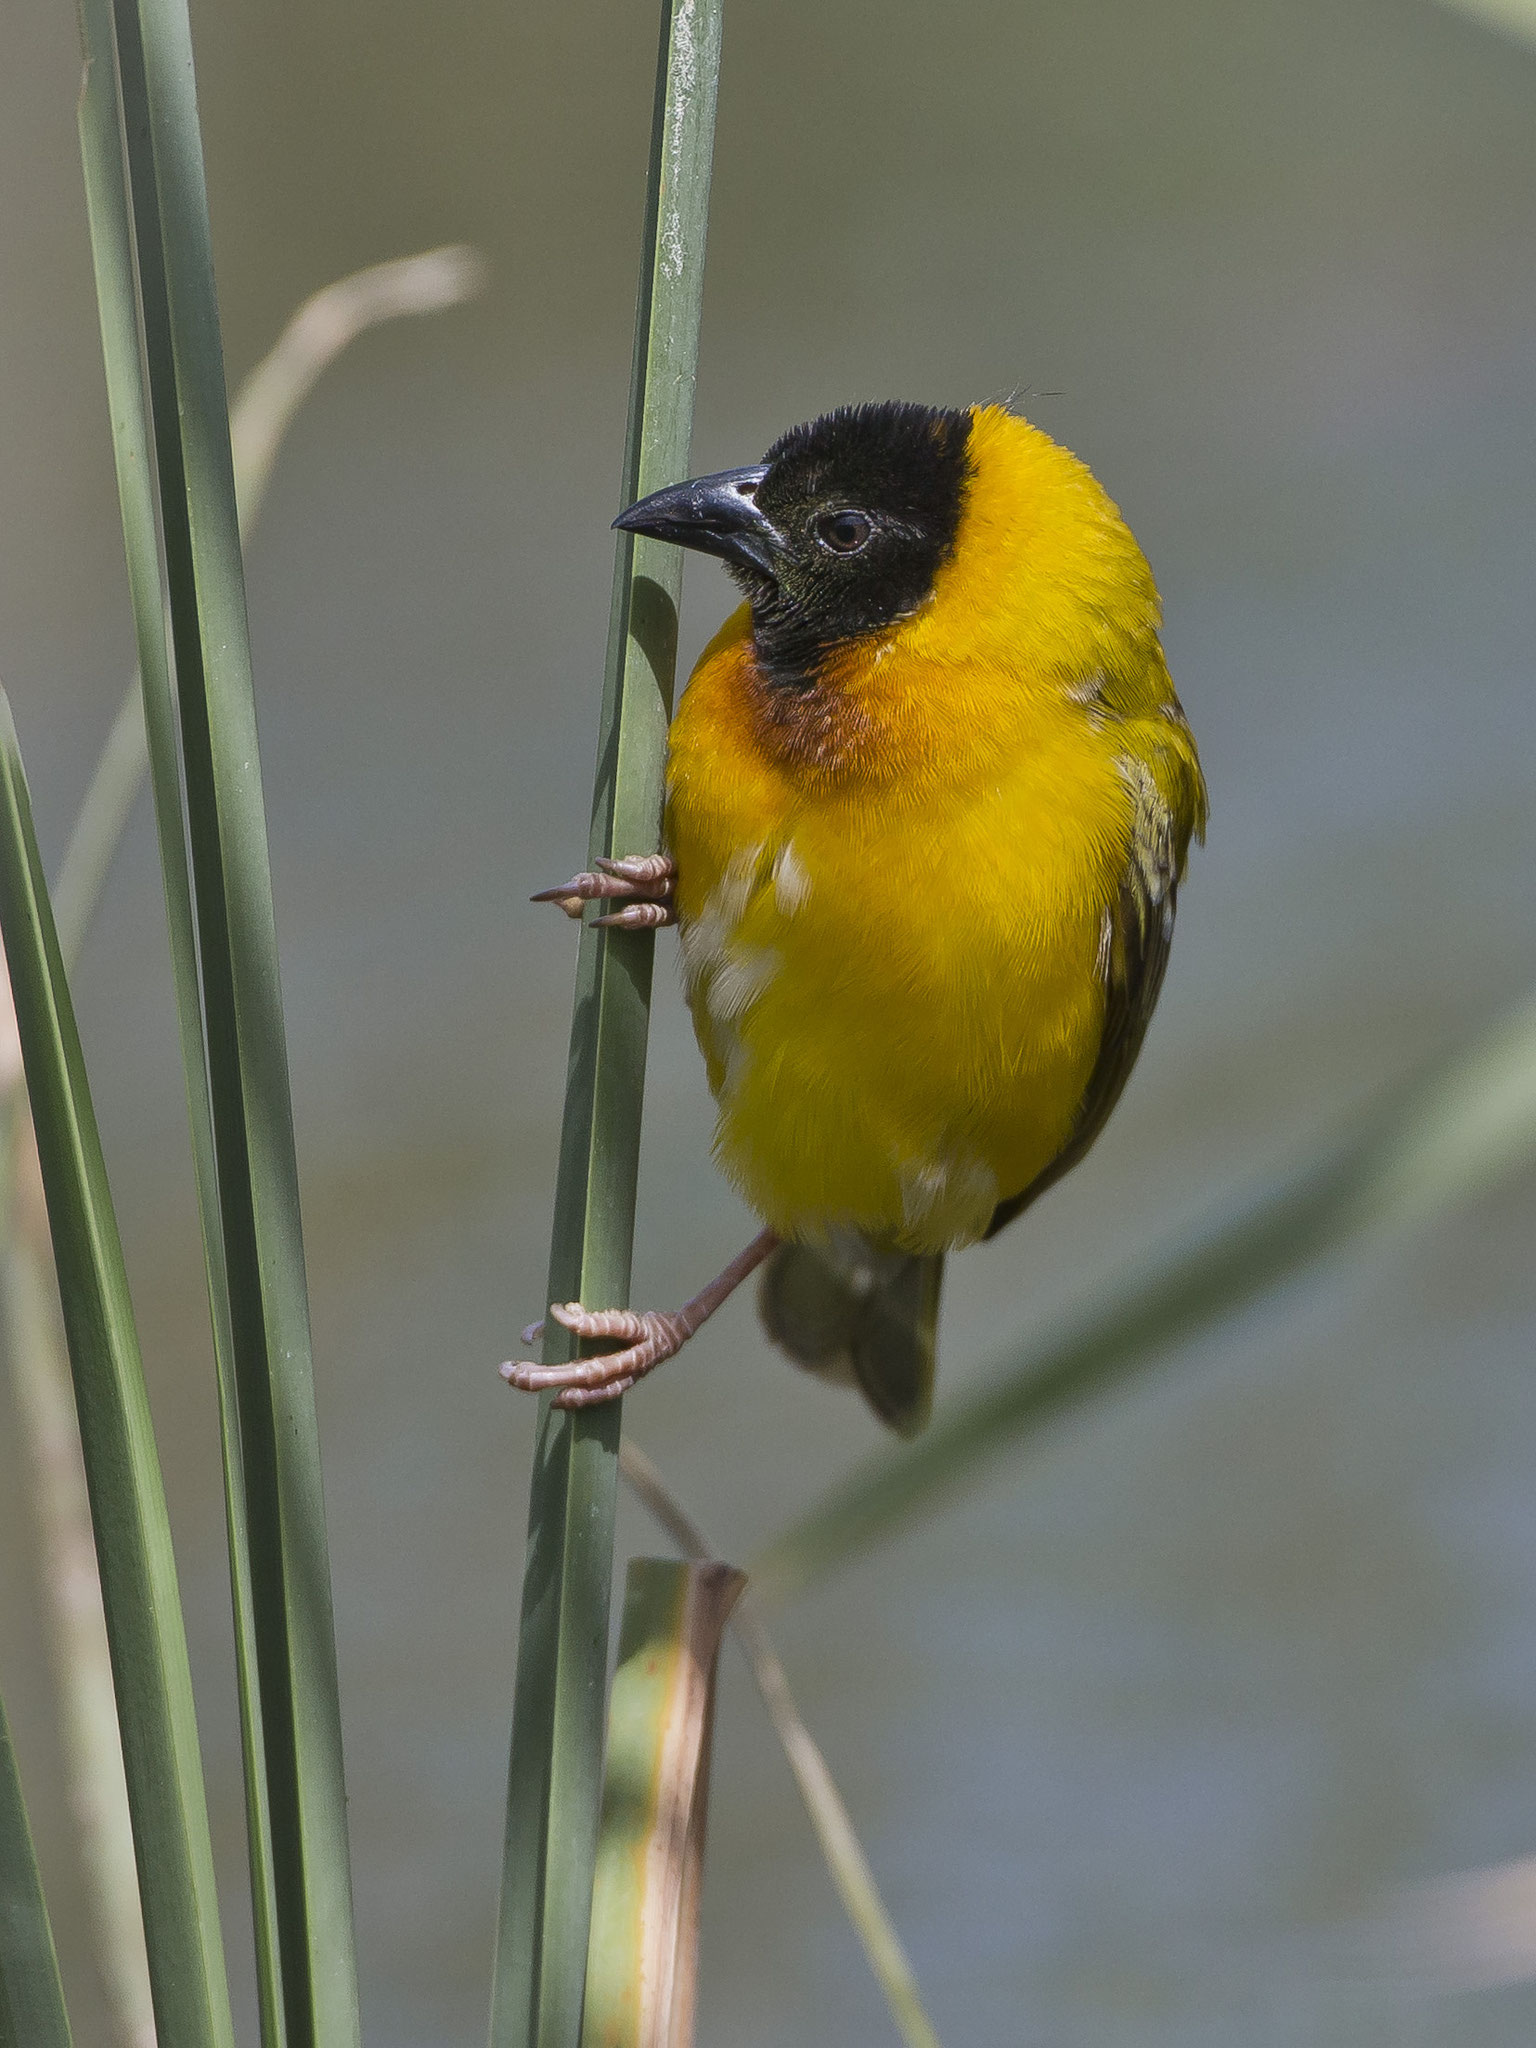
(757, 585)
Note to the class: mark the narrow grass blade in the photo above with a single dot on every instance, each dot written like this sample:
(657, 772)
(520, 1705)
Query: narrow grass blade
(319, 331)
(133, 1544)
(554, 1778)
(252, 1238)
(70, 1587)
(1432, 1143)
(145, 729)
(840, 1845)
(642, 1959)
(31, 1997)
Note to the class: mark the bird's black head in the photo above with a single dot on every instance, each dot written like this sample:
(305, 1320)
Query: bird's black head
(840, 530)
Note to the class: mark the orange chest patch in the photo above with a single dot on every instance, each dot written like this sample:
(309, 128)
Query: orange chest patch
(869, 721)
(818, 730)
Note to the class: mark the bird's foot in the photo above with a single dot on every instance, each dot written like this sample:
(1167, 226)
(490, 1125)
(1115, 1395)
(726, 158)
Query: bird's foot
(647, 1335)
(641, 883)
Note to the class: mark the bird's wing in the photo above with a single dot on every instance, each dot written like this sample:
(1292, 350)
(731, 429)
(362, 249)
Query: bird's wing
(1138, 929)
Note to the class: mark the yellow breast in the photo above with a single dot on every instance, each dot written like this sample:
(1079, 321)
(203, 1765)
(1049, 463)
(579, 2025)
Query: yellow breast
(893, 891)
(898, 992)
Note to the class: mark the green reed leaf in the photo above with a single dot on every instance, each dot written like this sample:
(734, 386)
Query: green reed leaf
(319, 331)
(145, 1630)
(643, 1952)
(31, 1997)
(171, 435)
(146, 721)
(555, 1771)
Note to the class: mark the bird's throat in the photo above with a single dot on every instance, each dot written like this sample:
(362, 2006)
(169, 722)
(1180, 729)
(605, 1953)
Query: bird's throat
(804, 721)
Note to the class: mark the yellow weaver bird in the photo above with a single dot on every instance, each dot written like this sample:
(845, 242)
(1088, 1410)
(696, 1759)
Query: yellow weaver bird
(929, 796)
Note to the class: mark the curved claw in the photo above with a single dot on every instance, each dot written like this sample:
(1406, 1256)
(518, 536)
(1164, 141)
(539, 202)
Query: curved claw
(629, 1325)
(646, 870)
(642, 882)
(638, 917)
(648, 1336)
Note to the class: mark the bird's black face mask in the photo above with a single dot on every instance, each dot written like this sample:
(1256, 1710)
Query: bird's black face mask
(840, 530)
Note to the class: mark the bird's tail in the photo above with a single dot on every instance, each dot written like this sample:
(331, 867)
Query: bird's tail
(866, 1316)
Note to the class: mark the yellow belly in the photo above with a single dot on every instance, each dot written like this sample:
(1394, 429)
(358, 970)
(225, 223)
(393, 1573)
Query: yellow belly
(898, 990)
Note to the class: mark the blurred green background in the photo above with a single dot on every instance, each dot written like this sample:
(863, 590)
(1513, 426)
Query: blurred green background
(1138, 1732)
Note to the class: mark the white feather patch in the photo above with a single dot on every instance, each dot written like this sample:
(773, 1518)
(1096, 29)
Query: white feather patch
(958, 1191)
(707, 937)
(791, 883)
(718, 971)
(738, 980)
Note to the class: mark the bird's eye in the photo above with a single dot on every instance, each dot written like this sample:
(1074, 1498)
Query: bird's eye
(843, 532)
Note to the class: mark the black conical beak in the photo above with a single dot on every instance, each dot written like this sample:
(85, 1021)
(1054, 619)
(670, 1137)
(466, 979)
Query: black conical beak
(714, 515)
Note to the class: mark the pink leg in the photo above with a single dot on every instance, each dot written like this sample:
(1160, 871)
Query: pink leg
(648, 1336)
(642, 882)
